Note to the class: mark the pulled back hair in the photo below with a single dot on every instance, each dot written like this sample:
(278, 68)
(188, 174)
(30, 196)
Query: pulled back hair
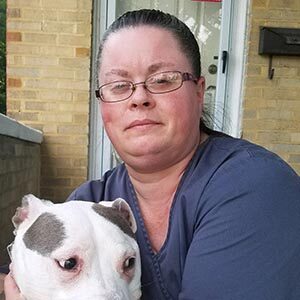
(157, 18)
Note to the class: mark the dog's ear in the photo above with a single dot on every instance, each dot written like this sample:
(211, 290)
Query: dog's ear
(122, 206)
(30, 209)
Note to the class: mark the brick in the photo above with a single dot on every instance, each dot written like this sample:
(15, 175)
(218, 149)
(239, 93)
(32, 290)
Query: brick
(83, 28)
(23, 72)
(24, 116)
(38, 14)
(57, 51)
(73, 84)
(13, 105)
(290, 83)
(13, 13)
(282, 93)
(71, 16)
(290, 4)
(85, 5)
(80, 139)
(81, 118)
(57, 73)
(20, 3)
(294, 158)
(75, 63)
(58, 4)
(273, 137)
(61, 117)
(71, 172)
(275, 114)
(250, 114)
(82, 74)
(14, 60)
(14, 82)
(80, 162)
(295, 137)
(74, 40)
(72, 151)
(21, 94)
(55, 95)
(48, 181)
(13, 36)
(81, 96)
(37, 106)
(23, 25)
(40, 83)
(49, 128)
(55, 27)
(40, 38)
(72, 129)
(40, 61)
(82, 52)
(22, 49)
(259, 3)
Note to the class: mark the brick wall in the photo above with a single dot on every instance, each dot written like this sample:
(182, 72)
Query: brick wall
(48, 63)
(19, 175)
(272, 107)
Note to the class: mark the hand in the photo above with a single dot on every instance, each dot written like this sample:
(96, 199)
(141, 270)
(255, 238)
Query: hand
(11, 289)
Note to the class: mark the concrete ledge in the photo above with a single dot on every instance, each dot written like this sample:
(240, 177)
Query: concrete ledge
(11, 127)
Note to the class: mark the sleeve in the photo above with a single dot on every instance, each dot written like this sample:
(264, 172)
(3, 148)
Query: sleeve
(246, 242)
(88, 191)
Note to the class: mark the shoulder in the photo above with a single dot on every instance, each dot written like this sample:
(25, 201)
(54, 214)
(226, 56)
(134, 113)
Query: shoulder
(101, 189)
(228, 152)
(234, 173)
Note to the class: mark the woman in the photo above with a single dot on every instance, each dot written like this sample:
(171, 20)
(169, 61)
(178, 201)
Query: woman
(218, 217)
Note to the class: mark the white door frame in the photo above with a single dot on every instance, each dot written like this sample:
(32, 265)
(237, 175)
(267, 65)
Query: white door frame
(229, 92)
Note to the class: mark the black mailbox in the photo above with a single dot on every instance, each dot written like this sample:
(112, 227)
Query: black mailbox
(278, 41)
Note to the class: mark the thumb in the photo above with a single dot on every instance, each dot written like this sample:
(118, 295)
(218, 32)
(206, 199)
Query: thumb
(11, 289)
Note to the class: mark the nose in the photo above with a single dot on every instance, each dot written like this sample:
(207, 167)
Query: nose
(141, 97)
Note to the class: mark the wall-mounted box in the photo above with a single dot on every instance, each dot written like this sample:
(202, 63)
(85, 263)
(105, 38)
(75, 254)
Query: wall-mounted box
(279, 41)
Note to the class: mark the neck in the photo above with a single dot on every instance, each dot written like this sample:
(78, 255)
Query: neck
(159, 185)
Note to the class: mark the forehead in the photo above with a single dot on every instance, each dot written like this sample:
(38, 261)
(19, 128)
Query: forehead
(141, 46)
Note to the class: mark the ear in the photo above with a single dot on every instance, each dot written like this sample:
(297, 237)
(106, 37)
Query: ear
(122, 206)
(201, 89)
(31, 207)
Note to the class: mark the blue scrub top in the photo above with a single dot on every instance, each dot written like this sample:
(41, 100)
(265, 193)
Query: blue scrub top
(234, 226)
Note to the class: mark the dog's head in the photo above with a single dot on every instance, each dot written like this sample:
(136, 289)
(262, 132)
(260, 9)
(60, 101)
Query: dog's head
(76, 250)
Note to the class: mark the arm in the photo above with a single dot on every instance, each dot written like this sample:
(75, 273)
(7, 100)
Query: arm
(246, 241)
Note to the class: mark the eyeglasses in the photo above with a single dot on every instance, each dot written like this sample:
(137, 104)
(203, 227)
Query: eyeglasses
(159, 83)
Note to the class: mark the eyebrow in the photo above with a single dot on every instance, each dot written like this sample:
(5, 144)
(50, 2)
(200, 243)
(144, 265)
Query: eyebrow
(119, 72)
(155, 67)
(152, 68)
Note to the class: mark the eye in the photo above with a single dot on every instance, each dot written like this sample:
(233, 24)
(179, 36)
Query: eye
(68, 264)
(129, 264)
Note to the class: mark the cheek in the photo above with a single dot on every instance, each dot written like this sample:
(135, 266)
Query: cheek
(108, 113)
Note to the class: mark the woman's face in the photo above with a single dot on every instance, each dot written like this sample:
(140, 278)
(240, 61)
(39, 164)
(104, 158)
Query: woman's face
(150, 131)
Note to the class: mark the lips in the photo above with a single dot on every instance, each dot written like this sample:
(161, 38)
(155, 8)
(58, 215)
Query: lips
(142, 123)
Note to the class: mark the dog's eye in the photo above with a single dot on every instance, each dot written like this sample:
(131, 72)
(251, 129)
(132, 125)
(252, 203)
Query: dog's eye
(129, 263)
(68, 264)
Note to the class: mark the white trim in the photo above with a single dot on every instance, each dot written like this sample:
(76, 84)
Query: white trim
(100, 148)
(236, 67)
(12, 128)
(222, 77)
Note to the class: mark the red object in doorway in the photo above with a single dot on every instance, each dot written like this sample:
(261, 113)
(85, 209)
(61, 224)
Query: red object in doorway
(206, 0)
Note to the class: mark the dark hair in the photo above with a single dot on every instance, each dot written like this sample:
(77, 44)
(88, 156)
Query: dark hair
(157, 18)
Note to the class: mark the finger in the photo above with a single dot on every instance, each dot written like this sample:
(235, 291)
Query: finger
(11, 289)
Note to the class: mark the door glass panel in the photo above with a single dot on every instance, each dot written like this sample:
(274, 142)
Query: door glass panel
(204, 20)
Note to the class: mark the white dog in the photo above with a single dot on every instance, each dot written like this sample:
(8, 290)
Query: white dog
(76, 250)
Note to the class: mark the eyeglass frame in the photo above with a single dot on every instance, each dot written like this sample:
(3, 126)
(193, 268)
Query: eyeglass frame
(185, 76)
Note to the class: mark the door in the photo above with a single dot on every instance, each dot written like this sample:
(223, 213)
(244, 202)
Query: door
(210, 21)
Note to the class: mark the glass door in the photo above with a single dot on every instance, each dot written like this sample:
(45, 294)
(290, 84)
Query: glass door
(210, 21)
